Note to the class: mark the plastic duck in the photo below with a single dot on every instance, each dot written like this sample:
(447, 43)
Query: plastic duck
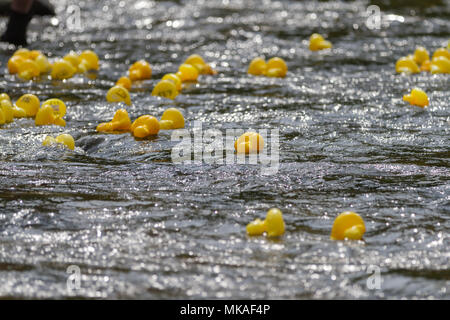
(62, 69)
(406, 65)
(43, 64)
(187, 72)
(63, 139)
(144, 126)
(441, 52)
(124, 82)
(440, 64)
(6, 111)
(51, 112)
(348, 225)
(166, 89)
(140, 70)
(88, 61)
(257, 67)
(276, 67)
(249, 142)
(421, 55)
(118, 94)
(29, 103)
(417, 97)
(28, 69)
(172, 118)
(199, 64)
(273, 225)
(6, 108)
(73, 59)
(317, 42)
(426, 66)
(120, 122)
(174, 78)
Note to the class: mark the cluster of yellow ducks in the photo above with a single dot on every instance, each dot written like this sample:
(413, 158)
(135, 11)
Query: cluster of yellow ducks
(420, 62)
(29, 65)
(168, 87)
(50, 112)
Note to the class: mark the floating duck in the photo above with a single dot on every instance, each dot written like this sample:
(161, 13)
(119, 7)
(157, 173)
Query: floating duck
(63, 139)
(6, 108)
(187, 72)
(43, 63)
(441, 52)
(29, 103)
(52, 111)
(273, 225)
(88, 61)
(257, 67)
(249, 142)
(166, 89)
(120, 122)
(199, 64)
(348, 225)
(317, 42)
(440, 64)
(417, 97)
(172, 118)
(73, 58)
(140, 70)
(144, 126)
(406, 65)
(421, 55)
(28, 69)
(174, 78)
(276, 67)
(118, 94)
(62, 69)
(124, 82)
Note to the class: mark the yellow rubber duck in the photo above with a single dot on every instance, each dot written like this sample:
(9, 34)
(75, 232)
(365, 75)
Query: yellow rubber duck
(441, 52)
(257, 67)
(165, 89)
(6, 108)
(118, 94)
(199, 63)
(187, 72)
(124, 82)
(73, 58)
(440, 64)
(276, 67)
(175, 79)
(172, 118)
(140, 70)
(28, 70)
(29, 103)
(273, 225)
(348, 225)
(52, 111)
(43, 63)
(249, 142)
(120, 122)
(62, 69)
(421, 55)
(317, 42)
(88, 61)
(63, 139)
(406, 65)
(417, 97)
(144, 126)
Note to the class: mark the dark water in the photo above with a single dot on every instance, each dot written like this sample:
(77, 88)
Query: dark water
(139, 226)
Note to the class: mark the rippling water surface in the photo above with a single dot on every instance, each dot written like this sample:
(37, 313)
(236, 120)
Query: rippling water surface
(139, 226)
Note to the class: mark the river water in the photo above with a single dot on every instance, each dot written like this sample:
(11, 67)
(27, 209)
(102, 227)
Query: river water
(137, 225)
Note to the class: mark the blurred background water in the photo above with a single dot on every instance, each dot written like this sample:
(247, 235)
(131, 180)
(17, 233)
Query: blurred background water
(139, 226)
